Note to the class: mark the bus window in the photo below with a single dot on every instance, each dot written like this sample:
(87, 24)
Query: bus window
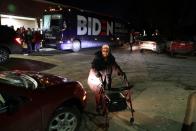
(56, 20)
(52, 21)
(47, 19)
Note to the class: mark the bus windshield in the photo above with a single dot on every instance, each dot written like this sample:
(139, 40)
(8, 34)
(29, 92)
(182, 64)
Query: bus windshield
(52, 21)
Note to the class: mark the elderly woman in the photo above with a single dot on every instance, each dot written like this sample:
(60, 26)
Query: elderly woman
(103, 66)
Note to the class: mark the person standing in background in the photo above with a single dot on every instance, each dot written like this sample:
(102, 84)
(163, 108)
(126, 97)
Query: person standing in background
(37, 40)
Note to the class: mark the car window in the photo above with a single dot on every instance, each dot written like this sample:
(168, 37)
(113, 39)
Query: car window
(7, 99)
(152, 38)
(146, 38)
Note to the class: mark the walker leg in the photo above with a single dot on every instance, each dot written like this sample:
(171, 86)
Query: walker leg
(131, 120)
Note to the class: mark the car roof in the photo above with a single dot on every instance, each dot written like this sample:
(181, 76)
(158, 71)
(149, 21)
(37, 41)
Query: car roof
(6, 32)
(4, 28)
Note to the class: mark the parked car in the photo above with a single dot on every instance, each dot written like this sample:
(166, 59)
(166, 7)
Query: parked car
(180, 46)
(153, 43)
(9, 43)
(32, 101)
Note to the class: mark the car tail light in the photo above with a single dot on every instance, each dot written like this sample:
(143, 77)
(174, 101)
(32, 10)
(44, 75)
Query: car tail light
(18, 40)
(182, 44)
(85, 93)
(84, 97)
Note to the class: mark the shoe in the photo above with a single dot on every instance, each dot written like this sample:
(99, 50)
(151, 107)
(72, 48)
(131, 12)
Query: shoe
(186, 127)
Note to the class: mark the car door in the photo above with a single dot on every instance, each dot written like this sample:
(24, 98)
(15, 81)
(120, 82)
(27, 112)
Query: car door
(18, 113)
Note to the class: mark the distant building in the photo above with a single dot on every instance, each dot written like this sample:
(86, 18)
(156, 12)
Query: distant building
(19, 13)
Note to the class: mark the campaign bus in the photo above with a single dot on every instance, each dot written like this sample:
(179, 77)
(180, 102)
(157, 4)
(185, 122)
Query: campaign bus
(72, 28)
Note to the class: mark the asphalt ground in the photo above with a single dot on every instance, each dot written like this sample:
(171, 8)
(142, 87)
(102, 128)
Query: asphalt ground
(161, 85)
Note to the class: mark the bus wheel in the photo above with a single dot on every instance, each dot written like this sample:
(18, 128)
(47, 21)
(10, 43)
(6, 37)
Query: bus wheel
(76, 46)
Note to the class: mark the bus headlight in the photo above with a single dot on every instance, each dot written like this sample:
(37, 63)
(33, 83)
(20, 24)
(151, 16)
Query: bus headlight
(61, 42)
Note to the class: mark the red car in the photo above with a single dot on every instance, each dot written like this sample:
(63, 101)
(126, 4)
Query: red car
(180, 47)
(31, 101)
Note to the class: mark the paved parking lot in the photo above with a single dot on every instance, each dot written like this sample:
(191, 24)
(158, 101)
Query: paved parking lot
(162, 85)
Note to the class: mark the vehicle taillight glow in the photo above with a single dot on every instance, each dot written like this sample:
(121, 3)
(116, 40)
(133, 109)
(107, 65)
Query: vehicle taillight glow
(84, 97)
(18, 40)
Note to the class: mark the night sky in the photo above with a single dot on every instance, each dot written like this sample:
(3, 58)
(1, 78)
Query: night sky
(169, 16)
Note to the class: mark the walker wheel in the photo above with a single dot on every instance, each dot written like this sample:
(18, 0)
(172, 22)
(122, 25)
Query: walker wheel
(131, 120)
